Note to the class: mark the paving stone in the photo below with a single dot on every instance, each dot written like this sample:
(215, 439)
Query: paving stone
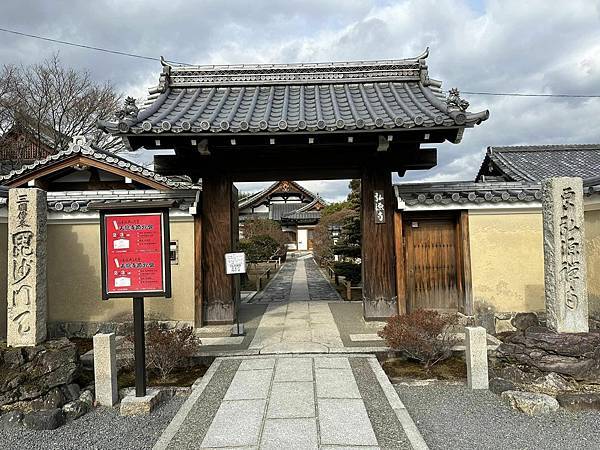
(242, 421)
(283, 348)
(257, 364)
(365, 337)
(345, 422)
(249, 385)
(332, 363)
(291, 400)
(290, 434)
(336, 383)
(293, 369)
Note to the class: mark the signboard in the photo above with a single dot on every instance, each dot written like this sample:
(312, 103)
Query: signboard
(235, 263)
(379, 207)
(135, 249)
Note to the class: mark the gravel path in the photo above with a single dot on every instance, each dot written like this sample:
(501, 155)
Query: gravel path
(453, 417)
(103, 428)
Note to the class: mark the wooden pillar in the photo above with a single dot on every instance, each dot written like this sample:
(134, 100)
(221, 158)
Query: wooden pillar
(378, 262)
(198, 264)
(218, 303)
(400, 269)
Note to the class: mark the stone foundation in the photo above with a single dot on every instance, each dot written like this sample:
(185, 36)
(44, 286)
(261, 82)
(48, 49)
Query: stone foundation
(89, 329)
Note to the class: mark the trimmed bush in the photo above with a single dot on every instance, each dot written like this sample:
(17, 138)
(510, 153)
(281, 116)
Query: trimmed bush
(422, 335)
(168, 348)
(259, 248)
(349, 270)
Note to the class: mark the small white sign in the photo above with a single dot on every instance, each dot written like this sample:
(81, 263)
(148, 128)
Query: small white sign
(235, 263)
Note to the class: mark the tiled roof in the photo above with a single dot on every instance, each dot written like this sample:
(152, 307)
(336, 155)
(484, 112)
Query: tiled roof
(391, 94)
(299, 216)
(278, 210)
(533, 163)
(462, 192)
(260, 195)
(78, 201)
(99, 155)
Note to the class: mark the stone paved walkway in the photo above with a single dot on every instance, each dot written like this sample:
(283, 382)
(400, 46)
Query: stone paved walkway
(293, 402)
(299, 323)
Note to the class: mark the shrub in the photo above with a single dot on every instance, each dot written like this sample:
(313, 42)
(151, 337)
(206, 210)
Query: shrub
(168, 349)
(349, 270)
(259, 248)
(423, 335)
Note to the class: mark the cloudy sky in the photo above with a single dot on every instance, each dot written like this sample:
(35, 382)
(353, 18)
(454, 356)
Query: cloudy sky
(533, 46)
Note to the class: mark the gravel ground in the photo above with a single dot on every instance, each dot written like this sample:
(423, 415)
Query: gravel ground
(103, 428)
(453, 417)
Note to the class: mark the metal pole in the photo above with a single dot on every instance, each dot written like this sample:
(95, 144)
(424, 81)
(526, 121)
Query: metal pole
(140, 347)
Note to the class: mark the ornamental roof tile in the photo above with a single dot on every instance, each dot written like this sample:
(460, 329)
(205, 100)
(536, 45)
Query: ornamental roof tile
(533, 163)
(461, 192)
(368, 95)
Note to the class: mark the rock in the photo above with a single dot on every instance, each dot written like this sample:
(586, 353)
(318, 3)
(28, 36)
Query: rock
(516, 375)
(44, 420)
(575, 355)
(11, 419)
(87, 397)
(529, 402)
(500, 385)
(76, 409)
(551, 384)
(31, 372)
(54, 399)
(522, 321)
(578, 401)
(71, 391)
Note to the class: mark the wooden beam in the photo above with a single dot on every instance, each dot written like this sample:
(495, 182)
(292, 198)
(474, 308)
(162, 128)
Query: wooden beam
(465, 250)
(198, 288)
(400, 265)
(248, 166)
(378, 265)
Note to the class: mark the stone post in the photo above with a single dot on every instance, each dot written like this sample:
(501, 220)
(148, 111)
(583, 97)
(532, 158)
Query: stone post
(105, 369)
(477, 357)
(26, 290)
(564, 255)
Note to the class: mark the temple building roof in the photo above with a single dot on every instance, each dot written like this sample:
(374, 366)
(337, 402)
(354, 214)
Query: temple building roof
(81, 155)
(533, 163)
(295, 98)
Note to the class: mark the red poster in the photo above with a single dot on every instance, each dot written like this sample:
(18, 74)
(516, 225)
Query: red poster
(135, 259)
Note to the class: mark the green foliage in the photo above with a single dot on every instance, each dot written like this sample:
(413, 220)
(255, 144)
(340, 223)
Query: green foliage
(259, 248)
(349, 270)
(349, 243)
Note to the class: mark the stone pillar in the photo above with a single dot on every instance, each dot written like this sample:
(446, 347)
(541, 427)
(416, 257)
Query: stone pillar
(26, 290)
(477, 357)
(105, 369)
(564, 255)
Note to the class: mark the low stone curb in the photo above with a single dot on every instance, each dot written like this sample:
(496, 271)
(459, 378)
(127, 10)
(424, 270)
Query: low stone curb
(410, 429)
(197, 389)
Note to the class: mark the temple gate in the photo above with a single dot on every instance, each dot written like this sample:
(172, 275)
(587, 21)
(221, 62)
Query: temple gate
(295, 121)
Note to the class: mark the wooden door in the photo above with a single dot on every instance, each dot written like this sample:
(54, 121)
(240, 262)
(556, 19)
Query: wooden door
(433, 268)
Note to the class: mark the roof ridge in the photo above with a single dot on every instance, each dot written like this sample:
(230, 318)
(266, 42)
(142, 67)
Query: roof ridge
(541, 147)
(296, 65)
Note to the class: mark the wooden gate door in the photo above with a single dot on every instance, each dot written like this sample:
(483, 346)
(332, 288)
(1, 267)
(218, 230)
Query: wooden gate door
(433, 269)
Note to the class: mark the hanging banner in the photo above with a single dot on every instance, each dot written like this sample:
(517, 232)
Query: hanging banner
(135, 253)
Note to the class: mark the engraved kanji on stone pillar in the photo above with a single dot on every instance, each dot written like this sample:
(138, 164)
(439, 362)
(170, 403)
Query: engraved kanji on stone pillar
(564, 255)
(26, 309)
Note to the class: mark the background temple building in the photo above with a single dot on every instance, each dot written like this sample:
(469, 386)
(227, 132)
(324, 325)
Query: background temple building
(297, 210)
